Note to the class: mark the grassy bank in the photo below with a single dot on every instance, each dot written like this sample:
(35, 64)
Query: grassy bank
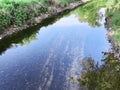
(115, 24)
(113, 13)
(15, 13)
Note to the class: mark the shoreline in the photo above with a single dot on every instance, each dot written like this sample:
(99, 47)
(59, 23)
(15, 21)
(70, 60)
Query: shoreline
(115, 47)
(38, 20)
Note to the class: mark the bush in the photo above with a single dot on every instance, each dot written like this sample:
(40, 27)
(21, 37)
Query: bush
(4, 18)
(18, 12)
(19, 16)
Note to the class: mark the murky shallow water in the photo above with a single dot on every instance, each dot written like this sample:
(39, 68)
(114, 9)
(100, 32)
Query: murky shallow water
(46, 60)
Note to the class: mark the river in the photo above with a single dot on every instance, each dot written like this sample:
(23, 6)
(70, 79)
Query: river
(45, 57)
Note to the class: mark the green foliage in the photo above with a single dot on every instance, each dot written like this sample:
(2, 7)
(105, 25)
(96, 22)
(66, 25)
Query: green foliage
(100, 77)
(90, 12)
(18, 12)
(4, 18)
(64, 3)
(14, 13)
(115, 23)
(113, 4)
(19, 15)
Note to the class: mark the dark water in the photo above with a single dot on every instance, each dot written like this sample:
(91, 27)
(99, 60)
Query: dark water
(46, 57)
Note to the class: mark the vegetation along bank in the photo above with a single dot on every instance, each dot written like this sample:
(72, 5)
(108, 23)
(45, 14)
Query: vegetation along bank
(21, 14)
(106, 76)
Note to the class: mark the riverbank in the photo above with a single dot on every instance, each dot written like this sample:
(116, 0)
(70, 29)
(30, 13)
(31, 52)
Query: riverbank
(39, 19)
(115, 47)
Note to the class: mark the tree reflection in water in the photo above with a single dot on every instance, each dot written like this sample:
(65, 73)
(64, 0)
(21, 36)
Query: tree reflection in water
(101, 77)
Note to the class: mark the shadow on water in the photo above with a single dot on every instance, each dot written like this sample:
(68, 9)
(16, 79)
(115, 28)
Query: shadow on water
(26, 36)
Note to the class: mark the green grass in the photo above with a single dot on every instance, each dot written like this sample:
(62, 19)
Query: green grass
(115, 24)
(17, 0)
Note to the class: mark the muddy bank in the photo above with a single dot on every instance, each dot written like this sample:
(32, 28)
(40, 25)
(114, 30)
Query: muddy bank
(39, 19)
(115, 47)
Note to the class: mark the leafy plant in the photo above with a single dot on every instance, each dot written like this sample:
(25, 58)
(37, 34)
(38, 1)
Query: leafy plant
(4, 18)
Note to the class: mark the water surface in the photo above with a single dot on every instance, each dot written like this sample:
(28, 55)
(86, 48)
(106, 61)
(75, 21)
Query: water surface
(48, 57)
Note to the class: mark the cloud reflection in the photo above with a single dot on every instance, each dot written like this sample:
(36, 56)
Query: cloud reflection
(69, 21)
